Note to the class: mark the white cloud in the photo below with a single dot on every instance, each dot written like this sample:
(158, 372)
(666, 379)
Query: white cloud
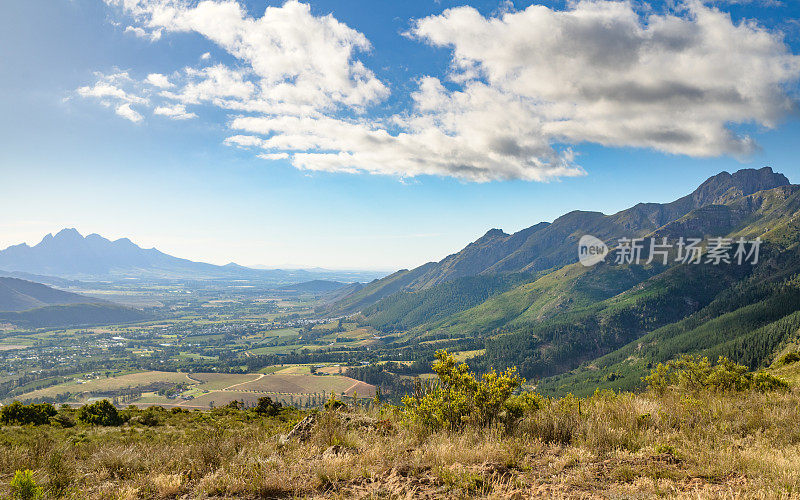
(764, 3)
(600, 73)
(300, 59)
(274, 156)
(525, 86)
(158, 80)
(141, 33)
(109, 88)
(125, 111)
(176, 112)
(214, 84)
(206, 56)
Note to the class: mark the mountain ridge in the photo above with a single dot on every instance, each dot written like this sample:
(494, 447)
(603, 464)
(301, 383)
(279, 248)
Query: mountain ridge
(550, 245)
(21, 295)
(69, 255)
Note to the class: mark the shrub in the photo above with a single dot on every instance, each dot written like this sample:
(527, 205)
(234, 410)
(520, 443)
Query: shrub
(695, 374)
(33, 414)
(149, 417)
(63, 419)
(518, 406)
(764, 382)
(99, 413)
(789, 358)
(459, 398)
(267, 407)
(334, 404)
(23, 486)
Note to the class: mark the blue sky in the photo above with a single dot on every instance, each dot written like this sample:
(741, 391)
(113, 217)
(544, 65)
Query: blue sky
(77, 154)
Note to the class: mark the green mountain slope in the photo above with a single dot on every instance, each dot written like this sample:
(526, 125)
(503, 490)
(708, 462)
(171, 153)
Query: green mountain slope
(406, 310)
(748, 321)
(74, 315)
(552, 245)
(576, 328)
(20, 295)
(33, 305)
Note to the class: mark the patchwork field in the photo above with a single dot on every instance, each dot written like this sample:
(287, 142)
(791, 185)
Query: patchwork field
(307, 384)
(114, 383)
(292, 384)
(218, 381)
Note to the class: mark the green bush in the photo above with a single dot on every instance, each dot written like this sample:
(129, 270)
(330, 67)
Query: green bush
(99, 413)
(334, 404)
(459, 398)
(517, 406)
(789, 358)
(694, 374)
(267, 407)
(23, 486)
(150, 417)
(33, 414)
(63, 419)
(764, 382)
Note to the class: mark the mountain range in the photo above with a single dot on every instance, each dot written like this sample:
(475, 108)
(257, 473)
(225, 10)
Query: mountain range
(548, 245)
(69, 255)
(526, 300)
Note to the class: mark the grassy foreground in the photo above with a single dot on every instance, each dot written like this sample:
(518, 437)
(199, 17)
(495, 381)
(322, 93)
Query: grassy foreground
(677, 443)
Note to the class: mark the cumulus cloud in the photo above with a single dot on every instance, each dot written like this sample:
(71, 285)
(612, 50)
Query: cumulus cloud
(216, 84)
(299, 58)
(600, 73)
(125, 111)
(176, 112)
(158, 80)
(524, 87)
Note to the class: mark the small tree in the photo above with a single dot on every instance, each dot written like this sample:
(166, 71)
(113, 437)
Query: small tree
(99, 413)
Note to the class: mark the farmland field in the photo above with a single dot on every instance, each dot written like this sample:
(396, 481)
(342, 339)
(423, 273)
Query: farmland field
(307, 384)
(199, 389)
(218, 381)
(128, 381)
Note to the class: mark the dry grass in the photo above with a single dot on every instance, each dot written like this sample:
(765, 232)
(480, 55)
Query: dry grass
(607, 446)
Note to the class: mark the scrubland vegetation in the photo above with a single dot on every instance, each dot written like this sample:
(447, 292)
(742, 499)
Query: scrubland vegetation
(701, 430)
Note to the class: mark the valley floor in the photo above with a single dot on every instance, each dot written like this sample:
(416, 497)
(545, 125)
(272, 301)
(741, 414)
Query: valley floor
(685, 445)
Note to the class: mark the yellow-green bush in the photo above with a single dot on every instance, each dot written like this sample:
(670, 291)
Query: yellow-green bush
(23, 486)
(460, 398)
(694, 373)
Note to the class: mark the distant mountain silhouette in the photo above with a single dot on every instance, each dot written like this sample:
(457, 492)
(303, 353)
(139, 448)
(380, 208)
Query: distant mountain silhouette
(70, 255)
(314, 286)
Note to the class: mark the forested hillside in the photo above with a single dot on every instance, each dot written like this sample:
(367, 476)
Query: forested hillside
(551, 245)
(575, 328)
